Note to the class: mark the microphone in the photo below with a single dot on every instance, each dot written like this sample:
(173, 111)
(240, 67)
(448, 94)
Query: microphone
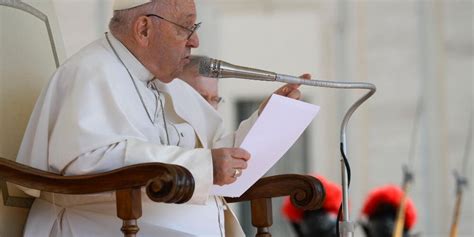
(214, 68)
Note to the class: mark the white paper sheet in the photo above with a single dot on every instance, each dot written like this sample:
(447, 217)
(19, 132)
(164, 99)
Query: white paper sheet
(278, 127)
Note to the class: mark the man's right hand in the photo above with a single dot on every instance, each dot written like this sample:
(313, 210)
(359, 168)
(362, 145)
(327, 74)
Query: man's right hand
(226, 161)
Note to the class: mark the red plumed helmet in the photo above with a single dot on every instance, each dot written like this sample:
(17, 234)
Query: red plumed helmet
(331, 202)
(392, 195)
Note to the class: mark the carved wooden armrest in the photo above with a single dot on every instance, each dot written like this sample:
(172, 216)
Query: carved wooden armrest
(164, 183)
(305, 192)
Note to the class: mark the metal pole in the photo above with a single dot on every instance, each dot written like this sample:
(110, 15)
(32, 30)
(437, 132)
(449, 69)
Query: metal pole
(346, 226)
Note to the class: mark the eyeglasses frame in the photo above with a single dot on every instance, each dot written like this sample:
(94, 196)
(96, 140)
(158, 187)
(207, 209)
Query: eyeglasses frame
(191, 30)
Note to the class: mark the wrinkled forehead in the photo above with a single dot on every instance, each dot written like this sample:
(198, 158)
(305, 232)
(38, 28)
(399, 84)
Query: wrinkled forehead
(185, 9)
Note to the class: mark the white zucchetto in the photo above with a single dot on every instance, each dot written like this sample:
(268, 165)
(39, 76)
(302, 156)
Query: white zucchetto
(127, 4)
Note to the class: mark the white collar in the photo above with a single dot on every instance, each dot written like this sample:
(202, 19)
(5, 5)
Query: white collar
(136, 68)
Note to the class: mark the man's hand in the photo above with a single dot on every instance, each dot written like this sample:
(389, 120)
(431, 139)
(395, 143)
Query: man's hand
(226, 161)
(288, 90)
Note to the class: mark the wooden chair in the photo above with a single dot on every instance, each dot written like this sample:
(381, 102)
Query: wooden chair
(164, 183)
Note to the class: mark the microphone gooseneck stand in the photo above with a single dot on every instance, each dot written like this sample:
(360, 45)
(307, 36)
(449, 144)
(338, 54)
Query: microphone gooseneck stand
(345, 228)
(219, 69)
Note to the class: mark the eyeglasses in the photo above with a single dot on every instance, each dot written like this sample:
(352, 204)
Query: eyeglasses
(189, 30)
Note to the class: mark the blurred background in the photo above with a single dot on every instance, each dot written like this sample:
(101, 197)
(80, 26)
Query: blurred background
(419, 54)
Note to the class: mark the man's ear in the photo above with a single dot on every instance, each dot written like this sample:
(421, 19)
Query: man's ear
(142, 29)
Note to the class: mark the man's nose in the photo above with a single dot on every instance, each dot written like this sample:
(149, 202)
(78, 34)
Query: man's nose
(193, 42)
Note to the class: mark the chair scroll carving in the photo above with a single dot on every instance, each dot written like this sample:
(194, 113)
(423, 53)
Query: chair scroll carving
(305, 192)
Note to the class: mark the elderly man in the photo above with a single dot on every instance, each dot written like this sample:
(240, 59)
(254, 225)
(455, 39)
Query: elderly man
(116, 103)
(205, 86)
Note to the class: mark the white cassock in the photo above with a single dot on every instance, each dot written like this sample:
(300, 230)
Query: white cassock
(90, 119)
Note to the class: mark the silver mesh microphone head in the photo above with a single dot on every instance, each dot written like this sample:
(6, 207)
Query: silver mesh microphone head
(208, 67)
(204, 63)
(214, 68)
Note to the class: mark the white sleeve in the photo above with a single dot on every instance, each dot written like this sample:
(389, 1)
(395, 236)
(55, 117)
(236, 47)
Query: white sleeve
(133, 151)
(96, 161)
